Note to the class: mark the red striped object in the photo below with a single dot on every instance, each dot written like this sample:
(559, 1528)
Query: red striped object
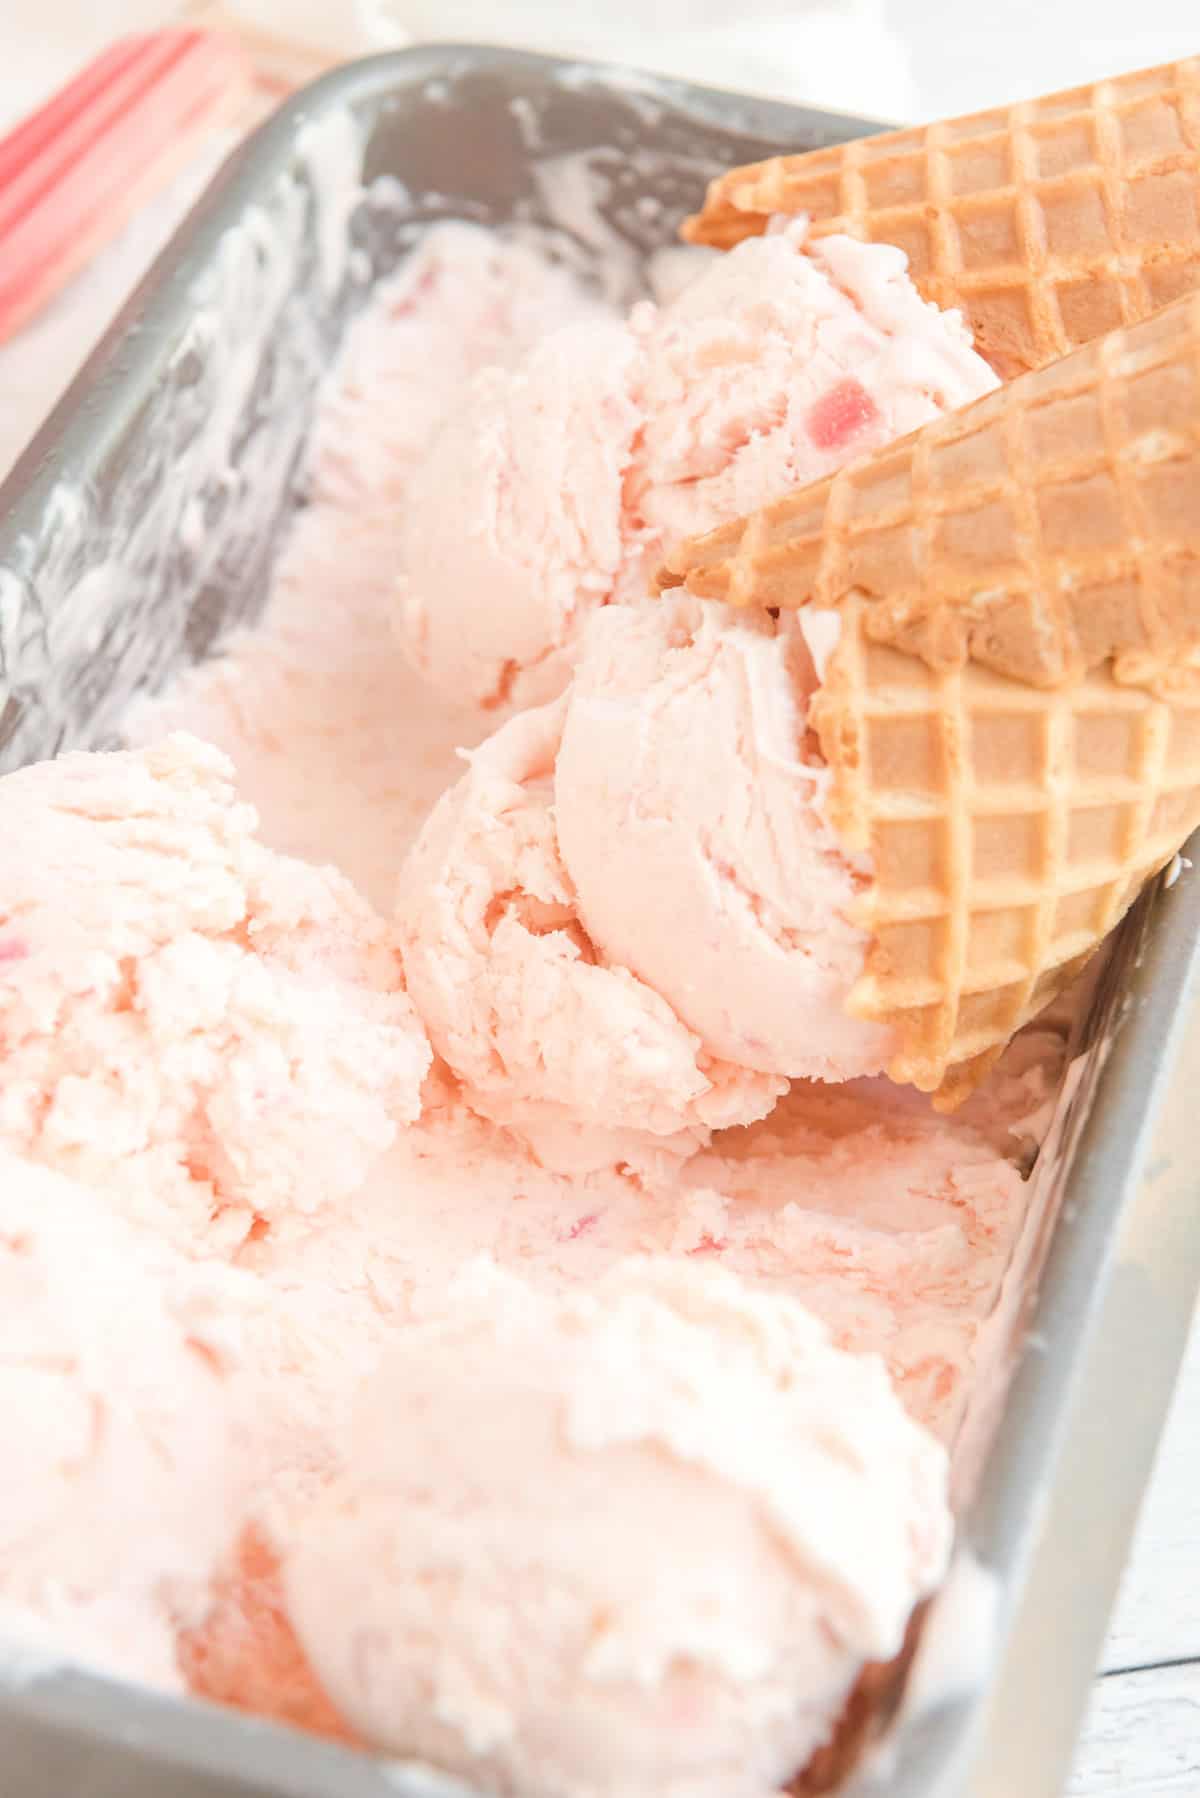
(74, 172)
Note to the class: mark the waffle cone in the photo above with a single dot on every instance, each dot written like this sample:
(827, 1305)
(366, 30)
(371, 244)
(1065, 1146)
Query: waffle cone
(1011, 713)
(1048, 223)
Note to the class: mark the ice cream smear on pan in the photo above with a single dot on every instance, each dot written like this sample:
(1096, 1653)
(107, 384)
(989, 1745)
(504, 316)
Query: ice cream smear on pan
(574, 1329)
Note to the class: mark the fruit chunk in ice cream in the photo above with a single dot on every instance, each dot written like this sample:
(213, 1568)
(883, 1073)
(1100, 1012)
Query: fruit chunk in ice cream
(688, 807)
(120, 1485)
(555, 486)
(216, 1032)
(546, 1037)
(633, 1542)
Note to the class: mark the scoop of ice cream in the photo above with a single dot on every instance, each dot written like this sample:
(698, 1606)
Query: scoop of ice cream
(332, 735)
(516, 522)
(688, 808)
(120, 1487)
(464, 300)
(894, 1224)
(218, 1033)
(630, 1543)
(546, 1037)
(556, 485)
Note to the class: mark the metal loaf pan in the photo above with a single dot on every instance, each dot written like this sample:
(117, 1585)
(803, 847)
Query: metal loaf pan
(141, 525)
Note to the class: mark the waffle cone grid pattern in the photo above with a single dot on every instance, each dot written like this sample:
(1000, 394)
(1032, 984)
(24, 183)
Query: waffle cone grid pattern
(1048, 223)
(868, 1711)
(1011, 713)
(1010, 828)
(1052, 524)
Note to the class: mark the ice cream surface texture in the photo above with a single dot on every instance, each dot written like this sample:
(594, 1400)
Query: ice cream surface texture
(546, 1038)
(539, 456)
(638, 1540)
(554, 486)
(121, 1479)
(725, 1471)
(218, 1034)
(688, 808)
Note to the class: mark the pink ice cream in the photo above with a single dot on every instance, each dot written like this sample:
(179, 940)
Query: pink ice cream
(780, 363)
(521, 530)
(326, 718)
(545, 1036)
(688, 807)
(555, 486)
(215, 1032)
(246, 1653)
(516, 1580)
(121, 1480)
(216, 1042)
(893, 1224)
(461, 302)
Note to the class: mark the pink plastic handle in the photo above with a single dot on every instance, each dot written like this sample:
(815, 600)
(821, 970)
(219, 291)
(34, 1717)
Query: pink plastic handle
(74, 172)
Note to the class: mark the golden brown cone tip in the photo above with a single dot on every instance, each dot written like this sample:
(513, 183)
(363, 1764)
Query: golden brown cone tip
(1011, 715)
(1049, 222)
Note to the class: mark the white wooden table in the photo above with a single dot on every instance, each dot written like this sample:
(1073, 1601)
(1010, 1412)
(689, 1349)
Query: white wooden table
(1142, 1737)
